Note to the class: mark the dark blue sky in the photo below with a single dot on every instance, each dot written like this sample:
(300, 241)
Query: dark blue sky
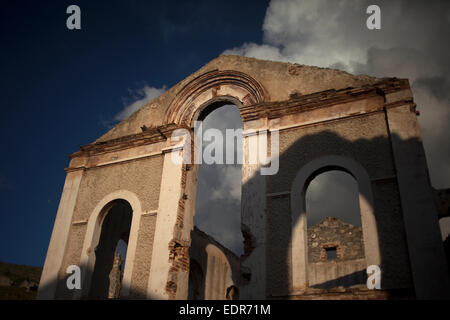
(60, 87)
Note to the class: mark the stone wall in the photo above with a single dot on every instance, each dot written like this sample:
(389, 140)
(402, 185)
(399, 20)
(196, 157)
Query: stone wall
(349, 266)
(334, 233)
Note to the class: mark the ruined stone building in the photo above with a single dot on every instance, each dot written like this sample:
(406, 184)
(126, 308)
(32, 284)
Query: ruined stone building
(126, 186)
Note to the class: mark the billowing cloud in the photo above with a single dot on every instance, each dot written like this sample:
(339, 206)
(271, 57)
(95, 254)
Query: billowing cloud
(412, 43)
(228, 189)
(137, 99)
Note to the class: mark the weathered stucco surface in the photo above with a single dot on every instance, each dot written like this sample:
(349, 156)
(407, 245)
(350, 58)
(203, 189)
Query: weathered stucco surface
(143, 260)
(142, 177)
(356, 138)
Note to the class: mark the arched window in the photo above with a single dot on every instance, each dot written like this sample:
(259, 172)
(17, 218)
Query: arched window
(333, 193)
(334, 230)
(348, 264)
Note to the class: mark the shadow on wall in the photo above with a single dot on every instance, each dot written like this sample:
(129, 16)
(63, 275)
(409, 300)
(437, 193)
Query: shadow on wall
(355, 277)
(375, 155)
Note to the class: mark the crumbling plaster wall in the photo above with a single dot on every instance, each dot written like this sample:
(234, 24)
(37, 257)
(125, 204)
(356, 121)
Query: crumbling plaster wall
(143, 178)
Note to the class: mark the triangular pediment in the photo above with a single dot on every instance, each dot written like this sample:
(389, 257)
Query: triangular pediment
(262, 80)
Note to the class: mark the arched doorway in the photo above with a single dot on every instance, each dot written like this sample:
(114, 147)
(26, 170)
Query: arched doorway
(218, 194)
(218, 203)
(110, 251)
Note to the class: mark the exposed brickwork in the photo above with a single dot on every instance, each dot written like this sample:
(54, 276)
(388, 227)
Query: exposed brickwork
(179, 258)
(178, 249)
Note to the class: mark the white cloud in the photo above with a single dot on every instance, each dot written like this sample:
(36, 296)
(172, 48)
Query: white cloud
(229, 187)
(228, 177)
(264, 51)
(139, 98)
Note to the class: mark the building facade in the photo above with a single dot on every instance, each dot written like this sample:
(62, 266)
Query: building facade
(319, 120)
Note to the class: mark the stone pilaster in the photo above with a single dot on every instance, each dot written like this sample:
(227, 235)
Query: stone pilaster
(253, 222)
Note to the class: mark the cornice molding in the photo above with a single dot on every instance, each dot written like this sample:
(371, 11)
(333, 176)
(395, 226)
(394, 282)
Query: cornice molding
(322, 99)
(251, 111)
(147, 136)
